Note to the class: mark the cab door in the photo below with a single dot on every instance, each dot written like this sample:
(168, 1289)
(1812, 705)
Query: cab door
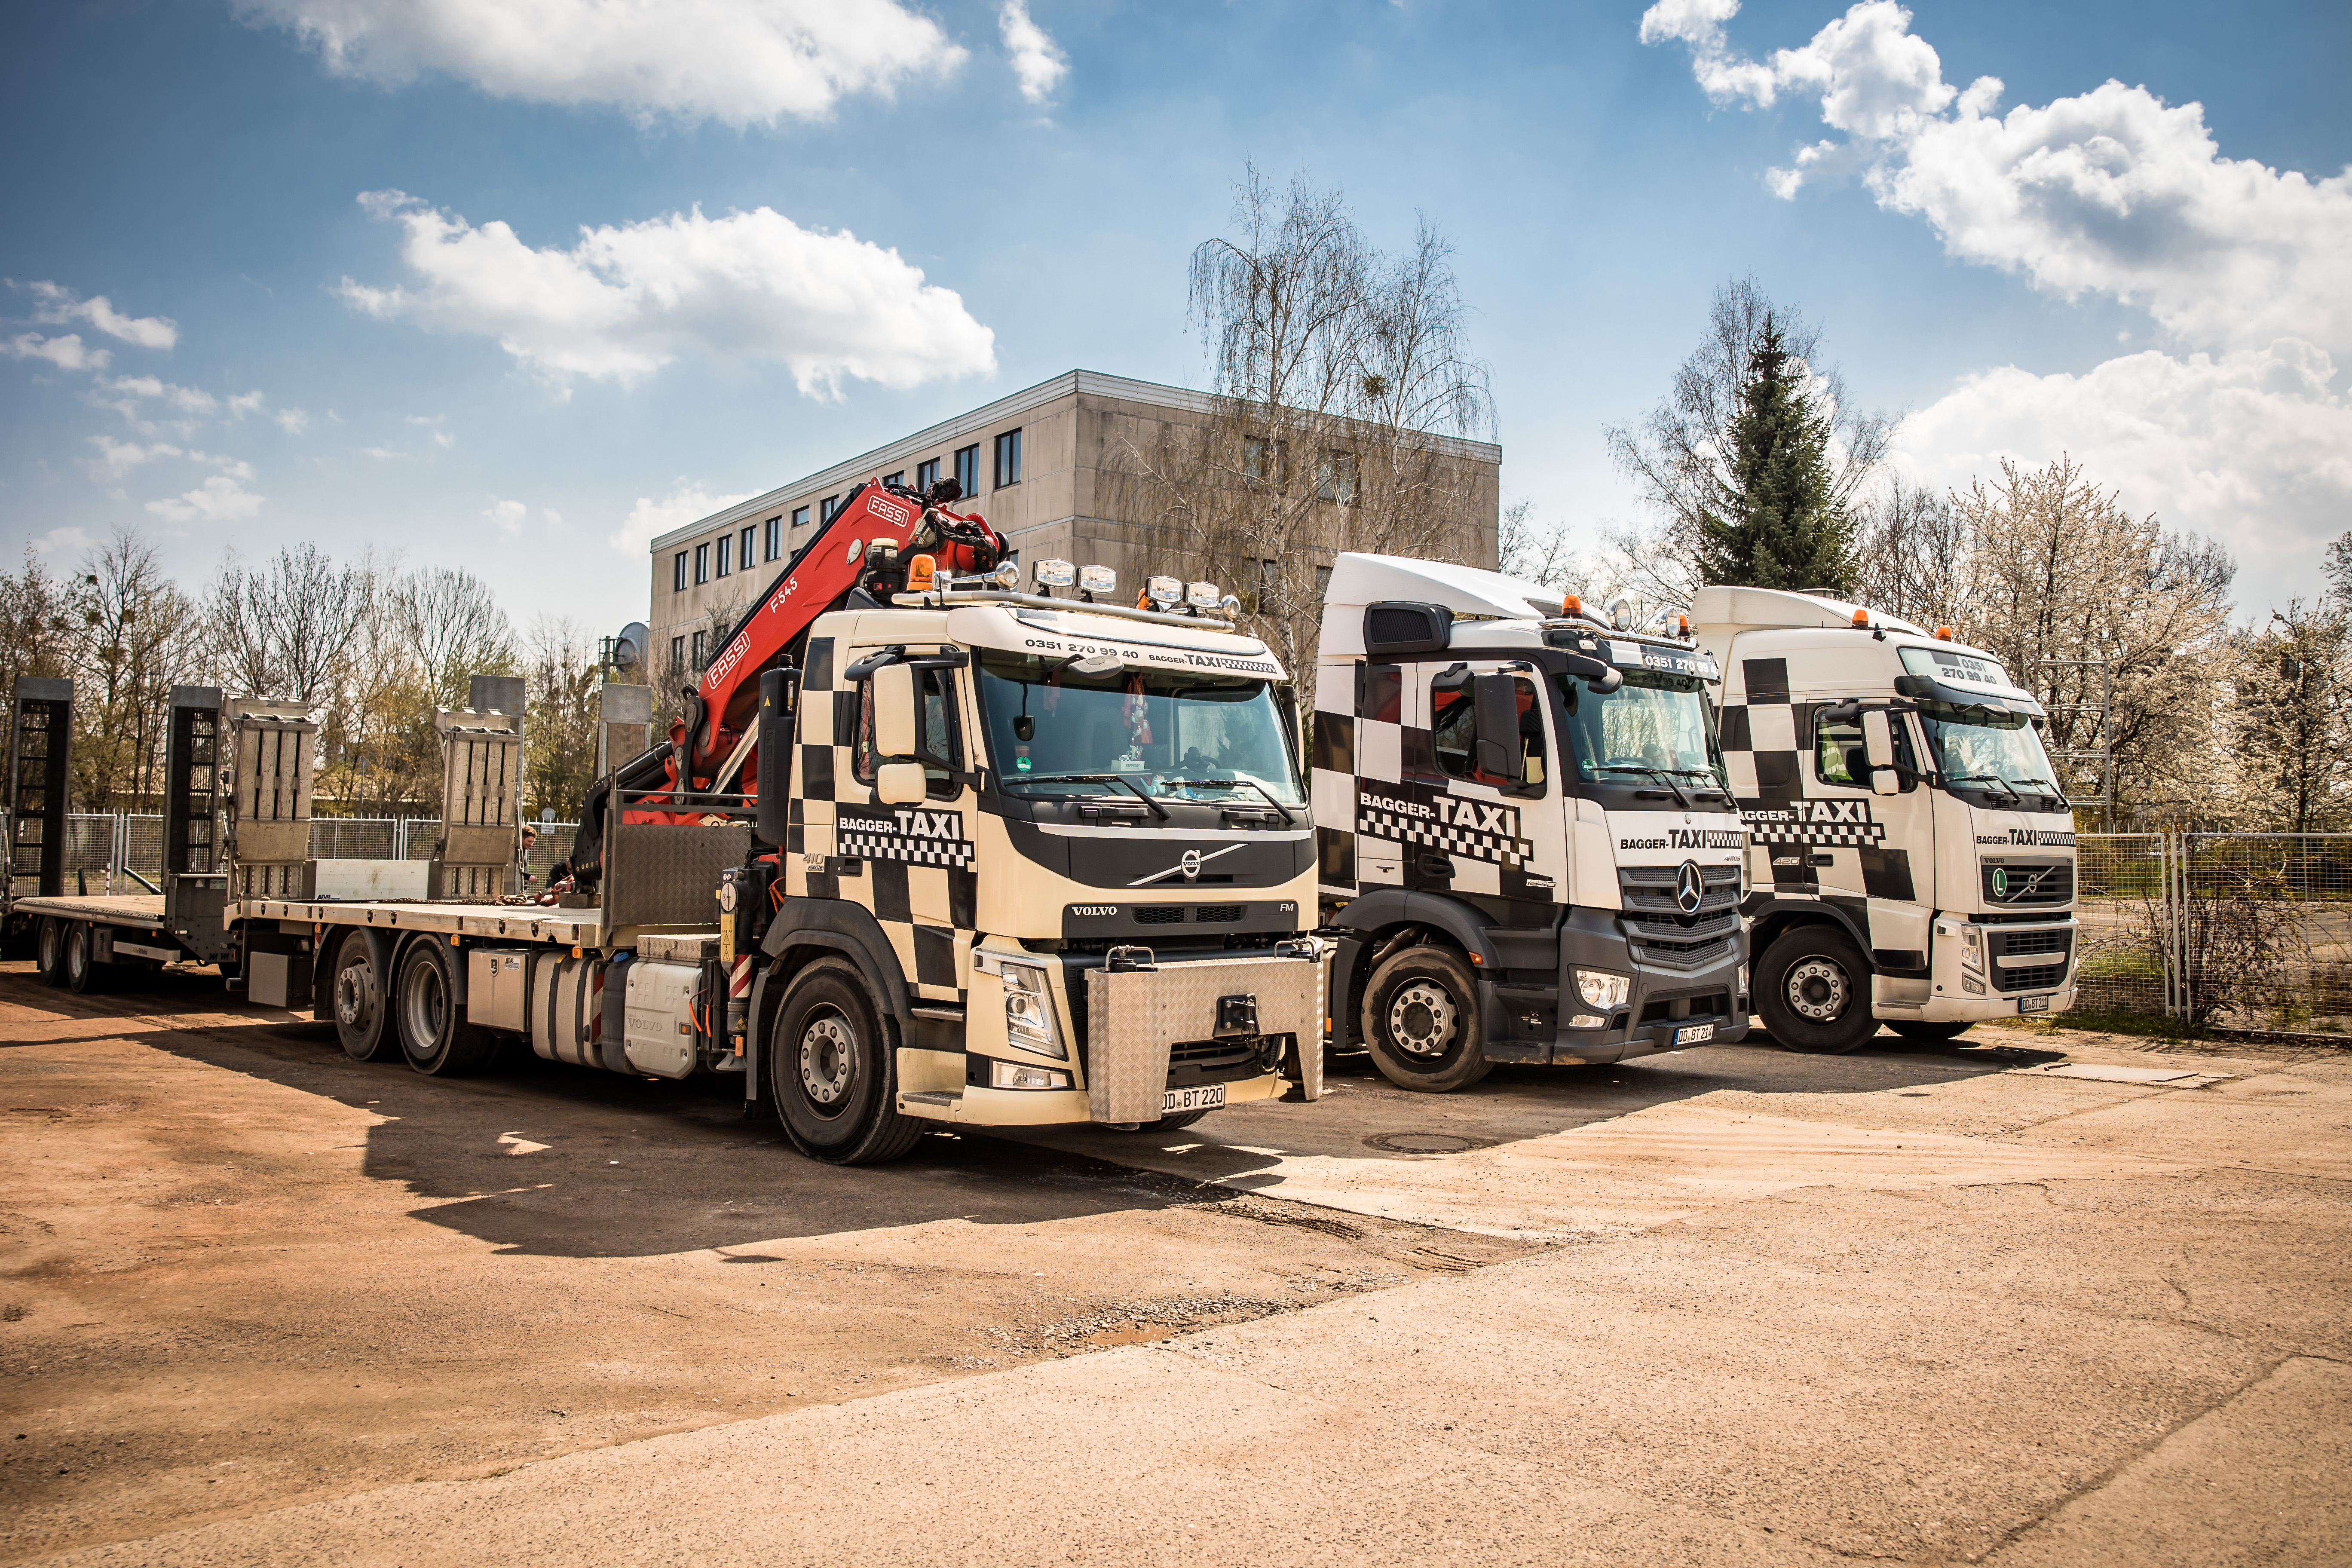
(1873, 853)
(921, 872)
(1485, 835)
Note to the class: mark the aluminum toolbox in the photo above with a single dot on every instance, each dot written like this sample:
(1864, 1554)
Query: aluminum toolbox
(1134, 1015)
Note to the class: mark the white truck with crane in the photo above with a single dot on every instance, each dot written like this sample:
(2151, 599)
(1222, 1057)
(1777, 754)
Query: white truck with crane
(926, 848)
(1912, 852)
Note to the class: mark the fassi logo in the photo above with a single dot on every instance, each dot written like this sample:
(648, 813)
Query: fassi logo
(890, 510)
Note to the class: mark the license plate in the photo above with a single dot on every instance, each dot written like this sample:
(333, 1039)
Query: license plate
(1694, 1034)
(1202, 1097)
(2033, 1004)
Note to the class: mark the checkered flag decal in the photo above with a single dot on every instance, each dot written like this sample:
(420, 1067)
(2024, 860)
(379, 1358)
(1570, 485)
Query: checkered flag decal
(914, 836)
(1828, 823)
(1495, 838)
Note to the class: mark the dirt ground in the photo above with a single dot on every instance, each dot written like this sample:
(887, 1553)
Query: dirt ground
(241, 1270)
(2034, 1295)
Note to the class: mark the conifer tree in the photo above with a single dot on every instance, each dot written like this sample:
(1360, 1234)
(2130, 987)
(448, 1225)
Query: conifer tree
(1787, 527)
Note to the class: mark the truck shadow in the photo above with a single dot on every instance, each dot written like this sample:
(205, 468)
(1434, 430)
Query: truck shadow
(536, 1158)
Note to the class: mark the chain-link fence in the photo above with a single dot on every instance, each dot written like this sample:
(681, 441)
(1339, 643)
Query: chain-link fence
(122, 852)
(2249, 931)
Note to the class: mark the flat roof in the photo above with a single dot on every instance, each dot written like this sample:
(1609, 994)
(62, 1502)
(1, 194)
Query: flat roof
(866, 464)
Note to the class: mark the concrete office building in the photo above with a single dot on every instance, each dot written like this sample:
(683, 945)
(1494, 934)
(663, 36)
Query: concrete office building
(1044, 466)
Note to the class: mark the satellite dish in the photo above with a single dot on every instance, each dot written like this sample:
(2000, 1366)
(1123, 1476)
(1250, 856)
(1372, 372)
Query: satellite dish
(629, 647)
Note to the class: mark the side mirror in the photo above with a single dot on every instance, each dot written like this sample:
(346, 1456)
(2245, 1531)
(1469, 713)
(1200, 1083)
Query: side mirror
(900, 783)
(1878, 741)
(1883, 781)
(894, 711)
(1497, 721)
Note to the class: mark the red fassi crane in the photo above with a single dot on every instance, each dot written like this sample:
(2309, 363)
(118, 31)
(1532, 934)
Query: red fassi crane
(855, 557)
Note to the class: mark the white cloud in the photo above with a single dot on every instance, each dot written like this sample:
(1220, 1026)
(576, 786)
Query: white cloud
(1038, 63)
(2113, 191)
(116, 459)
(649, 518)
(56, 305)
(221, 499)
(189, 399)
(627, 301)
(243, 404)
(293, 421)
(2251, 447)
(741, 61)
(234, 467)
(58, 539)
(508, 515)
(65, 352)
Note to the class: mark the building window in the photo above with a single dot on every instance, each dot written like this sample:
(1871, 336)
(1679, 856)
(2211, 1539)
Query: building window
(744, 546)
(966, 468)
(1335, 478)
(1257, 596)
(775, 528)
(677, 573)
(1322, 584)
(800, 517)
(701, 649)
(726, 553)
(678, 653)
(897, 479)
(1008, 458)
(702, 564)
(927, 474)
(826, 508)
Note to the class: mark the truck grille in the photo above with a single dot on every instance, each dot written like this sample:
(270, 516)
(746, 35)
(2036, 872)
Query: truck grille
(2047, 883)
(1670, 941)
(1650, 888)
(2054, 942)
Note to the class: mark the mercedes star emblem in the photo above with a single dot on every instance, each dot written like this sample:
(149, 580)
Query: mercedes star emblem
(1690, 888)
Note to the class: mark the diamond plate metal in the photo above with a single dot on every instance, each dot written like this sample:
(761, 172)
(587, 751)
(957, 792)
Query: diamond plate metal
(1133, 1018)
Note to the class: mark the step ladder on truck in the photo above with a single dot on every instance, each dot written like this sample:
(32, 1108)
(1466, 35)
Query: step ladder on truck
(925, 848)
(1526, 850)
(1911, 849)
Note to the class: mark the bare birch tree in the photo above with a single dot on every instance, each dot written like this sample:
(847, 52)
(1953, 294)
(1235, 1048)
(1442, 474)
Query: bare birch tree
(1912, 556)
(1343, 389)
(285, 630)
(131, 636)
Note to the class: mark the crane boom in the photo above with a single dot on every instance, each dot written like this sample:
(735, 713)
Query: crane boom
(858, 548)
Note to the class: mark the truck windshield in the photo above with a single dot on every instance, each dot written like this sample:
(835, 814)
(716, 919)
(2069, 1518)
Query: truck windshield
(1653, 723)
(1169, 733)
(1977, 748)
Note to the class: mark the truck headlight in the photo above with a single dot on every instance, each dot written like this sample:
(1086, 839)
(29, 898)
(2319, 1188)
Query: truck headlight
(1029, 1011)
(1600, 990)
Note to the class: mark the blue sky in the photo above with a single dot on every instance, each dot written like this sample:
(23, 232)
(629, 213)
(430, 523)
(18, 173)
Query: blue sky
(2102, 271)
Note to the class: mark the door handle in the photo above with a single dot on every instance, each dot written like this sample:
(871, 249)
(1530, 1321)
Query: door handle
(1434, 863)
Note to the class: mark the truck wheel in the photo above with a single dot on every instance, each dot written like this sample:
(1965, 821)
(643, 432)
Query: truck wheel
(1421, 1020)
(434, 1033)
(49, 951)
(363, 1015)
(82, 971)
(1919, 1029)
(833, 1073)
(1813, 991)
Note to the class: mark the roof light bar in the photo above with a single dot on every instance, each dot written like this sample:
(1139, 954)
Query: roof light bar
(1201, 595)
(1056, 574)
(1163, 590)
(1097, 580)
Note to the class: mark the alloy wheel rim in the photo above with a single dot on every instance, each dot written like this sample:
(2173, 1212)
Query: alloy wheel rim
(1422, 1016)
(1818, 990)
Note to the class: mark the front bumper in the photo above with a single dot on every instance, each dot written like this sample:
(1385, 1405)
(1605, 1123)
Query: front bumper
(1662, 1007)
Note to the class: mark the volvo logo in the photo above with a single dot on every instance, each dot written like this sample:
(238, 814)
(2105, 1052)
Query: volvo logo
(1190, 864)
(1690, 888)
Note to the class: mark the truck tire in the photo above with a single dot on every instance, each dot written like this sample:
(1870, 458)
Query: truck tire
(1919, 1029)
(833, 1074)
(434, 1033)
(1421, 1022)
(1812, 989)
(361, 1002)
(83, 973)
(49, 951)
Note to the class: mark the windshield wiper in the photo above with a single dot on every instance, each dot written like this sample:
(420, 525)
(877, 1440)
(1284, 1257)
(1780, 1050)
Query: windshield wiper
(1232, 783)
(1158, 810)
(2006, 787)
(1714, 786)
(1661, 774)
